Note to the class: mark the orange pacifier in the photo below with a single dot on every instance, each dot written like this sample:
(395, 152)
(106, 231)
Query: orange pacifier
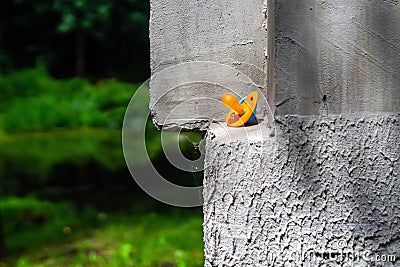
(242, 112)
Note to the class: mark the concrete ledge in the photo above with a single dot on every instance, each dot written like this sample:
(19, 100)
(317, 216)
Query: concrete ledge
(318, 185)
(188, 95)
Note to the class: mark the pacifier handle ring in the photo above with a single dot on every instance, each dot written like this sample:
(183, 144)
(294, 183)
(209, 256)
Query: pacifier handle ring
(230, 101)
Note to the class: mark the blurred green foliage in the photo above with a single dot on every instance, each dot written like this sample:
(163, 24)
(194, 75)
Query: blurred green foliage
(46, 122)
(29, 221)
(83, 14)
(60, 159)
(31, 100)
(52, 234)
(104, 38)
(66, 196)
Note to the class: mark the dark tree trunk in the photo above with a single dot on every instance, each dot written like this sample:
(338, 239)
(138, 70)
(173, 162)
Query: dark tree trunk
(2, 238)
(80, 53)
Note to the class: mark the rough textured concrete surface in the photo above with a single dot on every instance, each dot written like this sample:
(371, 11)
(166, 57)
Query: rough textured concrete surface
(232, 33)
(334, 56)
(313, 191)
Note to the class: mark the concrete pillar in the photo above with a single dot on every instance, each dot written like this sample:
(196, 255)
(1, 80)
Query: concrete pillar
(317, 184)
(320, 192)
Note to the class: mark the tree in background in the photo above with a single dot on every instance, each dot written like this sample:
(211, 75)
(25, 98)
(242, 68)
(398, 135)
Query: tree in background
(98, 39)
(3, 248)
(83, 18)
(2, 241)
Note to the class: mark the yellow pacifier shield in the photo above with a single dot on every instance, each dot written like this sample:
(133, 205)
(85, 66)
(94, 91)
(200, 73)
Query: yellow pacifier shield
(239, 113)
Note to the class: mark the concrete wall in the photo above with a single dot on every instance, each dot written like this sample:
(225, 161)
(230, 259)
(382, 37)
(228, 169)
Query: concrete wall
(348, 51)
(324, 176)
(317, 186)
(324, 57)
(228, 32)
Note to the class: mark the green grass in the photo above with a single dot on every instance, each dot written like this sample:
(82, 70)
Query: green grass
(41, 233)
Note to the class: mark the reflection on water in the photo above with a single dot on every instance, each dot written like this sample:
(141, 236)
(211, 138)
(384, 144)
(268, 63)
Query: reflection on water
(34, 161)
(79, 165)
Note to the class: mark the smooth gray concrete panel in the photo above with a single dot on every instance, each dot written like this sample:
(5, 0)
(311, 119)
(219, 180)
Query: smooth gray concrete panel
(334, 56)
(227, 32)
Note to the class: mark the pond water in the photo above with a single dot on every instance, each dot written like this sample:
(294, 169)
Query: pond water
(85, 166)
